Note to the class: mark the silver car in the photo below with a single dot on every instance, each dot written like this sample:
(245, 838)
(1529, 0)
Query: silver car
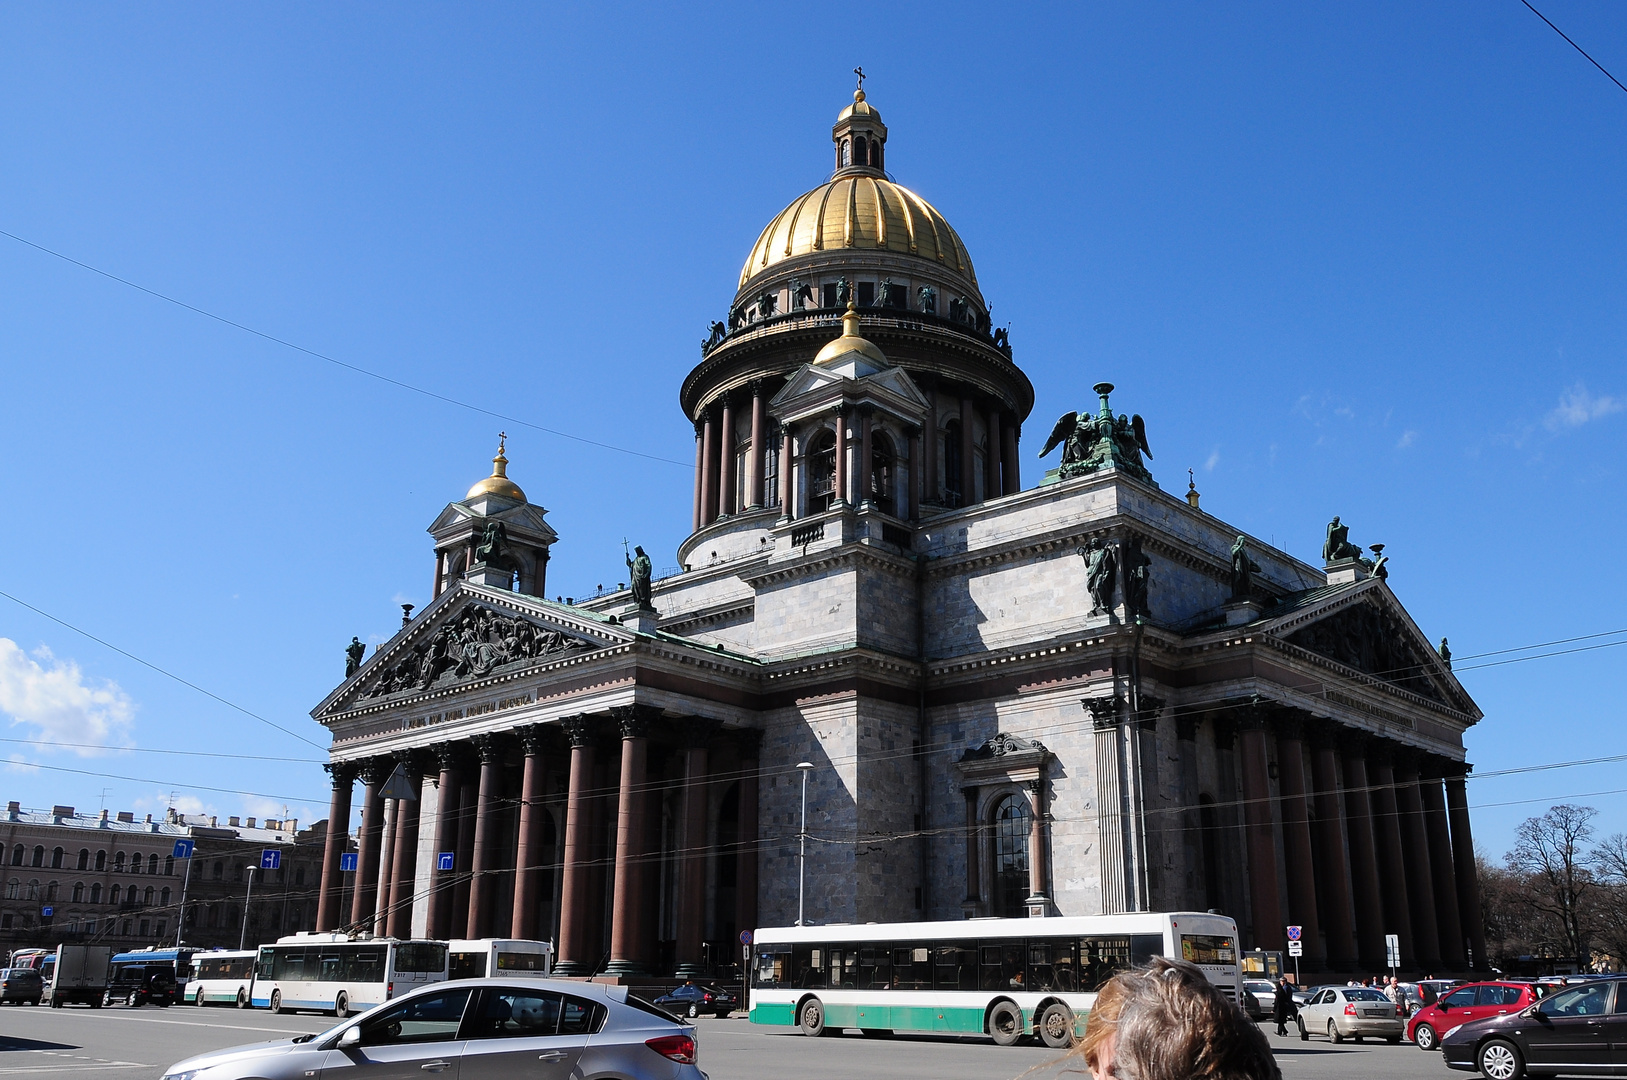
(1350, 1012)
(477, 1029)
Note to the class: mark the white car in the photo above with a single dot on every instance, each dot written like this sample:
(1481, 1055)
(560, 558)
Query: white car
(1350, 1012)
(1259, 997)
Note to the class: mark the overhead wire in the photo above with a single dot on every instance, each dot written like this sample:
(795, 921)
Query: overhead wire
(1575, 46)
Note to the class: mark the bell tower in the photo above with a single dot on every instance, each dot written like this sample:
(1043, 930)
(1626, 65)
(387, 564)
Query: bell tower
(494, 536)
(860, 137)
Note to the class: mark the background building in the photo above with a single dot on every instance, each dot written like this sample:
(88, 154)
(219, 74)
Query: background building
(1085, 695)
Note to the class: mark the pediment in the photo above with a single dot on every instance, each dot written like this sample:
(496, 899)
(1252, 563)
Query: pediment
(897, 381)
(1365, 627)
(471, 632)
(807, 380)
(891, 387)
(524, 520)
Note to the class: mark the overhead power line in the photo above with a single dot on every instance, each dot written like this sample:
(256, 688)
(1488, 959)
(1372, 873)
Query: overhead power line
(357, 368)
(1573, 44)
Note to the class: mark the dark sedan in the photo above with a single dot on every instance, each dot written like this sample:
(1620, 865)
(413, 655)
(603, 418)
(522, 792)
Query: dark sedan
(1579, 1029)
(692, 999)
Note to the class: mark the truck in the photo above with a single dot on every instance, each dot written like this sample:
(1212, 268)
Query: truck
(82, 975)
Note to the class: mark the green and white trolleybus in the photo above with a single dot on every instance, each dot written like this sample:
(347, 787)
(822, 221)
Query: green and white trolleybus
(1006, 978)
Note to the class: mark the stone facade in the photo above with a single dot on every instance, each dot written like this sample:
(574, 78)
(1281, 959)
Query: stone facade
(1081, 696)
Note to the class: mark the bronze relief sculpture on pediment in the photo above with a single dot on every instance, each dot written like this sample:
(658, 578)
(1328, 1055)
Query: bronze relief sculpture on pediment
(476, 642)
(1372, 641)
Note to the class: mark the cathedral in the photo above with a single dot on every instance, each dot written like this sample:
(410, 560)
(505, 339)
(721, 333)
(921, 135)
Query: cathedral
(1084, 694)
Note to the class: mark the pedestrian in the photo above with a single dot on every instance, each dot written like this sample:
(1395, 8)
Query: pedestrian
(1282, 1005)
(1167, 1021)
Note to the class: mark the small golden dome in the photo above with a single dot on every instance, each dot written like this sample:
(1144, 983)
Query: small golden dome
(851, 341)
(863, 213)
(498, 482)
(860, 107)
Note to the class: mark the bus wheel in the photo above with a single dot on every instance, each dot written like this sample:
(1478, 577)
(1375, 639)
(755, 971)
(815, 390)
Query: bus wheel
(276, 1001)
(242, 998)
(811, 1017)
(1056, 1027)
(1005, 1023)
(341, 1005)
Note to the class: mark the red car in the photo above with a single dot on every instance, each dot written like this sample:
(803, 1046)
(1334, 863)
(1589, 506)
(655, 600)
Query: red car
(1475, 1001)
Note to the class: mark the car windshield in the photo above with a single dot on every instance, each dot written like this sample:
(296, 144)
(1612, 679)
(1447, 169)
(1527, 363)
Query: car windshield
(1361, 993)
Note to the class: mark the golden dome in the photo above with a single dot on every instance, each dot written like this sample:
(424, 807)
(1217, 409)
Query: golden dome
(498, 482)
(862, 213)
(850, 342)
(860, 107)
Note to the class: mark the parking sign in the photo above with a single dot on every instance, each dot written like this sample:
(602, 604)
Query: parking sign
(347, 861)
(47, 912)
(183, 849)
(443, 860)
(1293, 933)
(270, 859)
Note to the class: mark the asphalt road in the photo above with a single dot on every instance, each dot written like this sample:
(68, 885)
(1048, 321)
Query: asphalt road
(84, 1044)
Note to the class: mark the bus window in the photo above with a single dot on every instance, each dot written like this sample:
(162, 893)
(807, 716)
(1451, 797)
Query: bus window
(1208, 949)
(366, 964)
(1051, 965)
(954, 967)
(808, 964)
(519, 961)
(875, 968)
(1002, 966)
(844, 967)
(912, 968)
(1101, 958)
(771, 966)
(420, 956)
(466, 965)
(1144, 947)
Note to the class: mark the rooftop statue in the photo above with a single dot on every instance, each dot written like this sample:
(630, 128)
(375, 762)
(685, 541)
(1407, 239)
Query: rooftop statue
(639, 568)
(1446, 654)
(1101, 574)
(1102, 441)
(494, 549)
(1243, 570)
(356, 650)
(1337, 546)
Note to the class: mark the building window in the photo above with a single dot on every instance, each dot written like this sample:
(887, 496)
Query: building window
(146, 927)
(771, 473)
(147, 897)
(113, 895)
(161, 927)
(299, 877)
(56, 858)
(39, 855)
(118, 862)
(953, 482)
(5, 922)
(883, 461)
(126, 930)
(220, 870)
(79, 892)
(17, 855)
(867, 294)
(96, 893)
(152, 864)
(163, 897)
(84, 859)
(169, 866)
(34, 889)
(51, 892)
(822, 472)
(1011, 826)
(101, 860)
(828, 294)
(13, 889)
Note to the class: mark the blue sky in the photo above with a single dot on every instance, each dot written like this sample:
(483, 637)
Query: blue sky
(1346, 259)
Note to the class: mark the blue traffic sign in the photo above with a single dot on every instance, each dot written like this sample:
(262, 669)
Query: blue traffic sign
(270, 859)
(1293, 933)
(347, 861)
(444, 860)
(47, 912)
(183, 849)
(745, 937)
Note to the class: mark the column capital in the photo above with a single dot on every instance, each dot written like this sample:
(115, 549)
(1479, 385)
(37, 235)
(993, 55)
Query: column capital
(1104, 711)
(532, 737)
(1455, 770)
(1150, 708)
(1289, 724)
(449, 755)
(1381, 751)
(1407, 762)
(342, 773)
(413, 762)
(376, 770)
(634, 720)
(491, 748)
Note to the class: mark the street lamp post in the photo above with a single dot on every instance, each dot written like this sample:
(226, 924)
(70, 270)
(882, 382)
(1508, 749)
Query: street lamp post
(243, 937)
(805, 767)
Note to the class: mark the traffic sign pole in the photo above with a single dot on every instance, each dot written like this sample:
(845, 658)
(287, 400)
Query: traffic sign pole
(183, 850)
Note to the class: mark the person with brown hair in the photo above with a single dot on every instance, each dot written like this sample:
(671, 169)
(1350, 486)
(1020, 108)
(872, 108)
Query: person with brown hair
(1167, 1021)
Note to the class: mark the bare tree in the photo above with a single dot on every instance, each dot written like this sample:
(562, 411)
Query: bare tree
(1549, 851)
(1609, 862)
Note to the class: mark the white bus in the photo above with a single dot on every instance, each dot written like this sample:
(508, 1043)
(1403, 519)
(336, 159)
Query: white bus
(499, 957)
(331, 973)
(1006, 978)
(221, 977)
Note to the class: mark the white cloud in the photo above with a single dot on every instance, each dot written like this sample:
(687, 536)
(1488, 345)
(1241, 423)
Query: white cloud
(1407, 438)
(54, 699)
(1214, 459)
(1578, 405)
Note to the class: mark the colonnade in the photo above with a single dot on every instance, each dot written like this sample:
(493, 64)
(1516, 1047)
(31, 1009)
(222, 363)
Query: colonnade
(620, 805)
(1375, 840)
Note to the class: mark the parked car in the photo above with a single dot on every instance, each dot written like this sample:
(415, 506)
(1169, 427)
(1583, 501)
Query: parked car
(1350, 1012)
(692, 999)
(1476, 1001)
(1575, 1030)
(1305, 995)
(18, 985)
(136, 986)
(485, 1027)
(1259, 996)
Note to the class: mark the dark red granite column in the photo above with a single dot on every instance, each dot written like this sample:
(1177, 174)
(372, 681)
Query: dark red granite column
(625, 944)
(968, 479)
(1013, 470)
(1296, 841)
(1441, 866)
(759, 433)
(915, 476)
(483, 887)
(328, 913)
(787, 509)
(1366, 897)
(994, 482)
(1332, 873)
(1468, 875)
(693, 850)
(528, 858)
(1416, 857)
(439, 923)
(1265, 905)
(576, 955)
(1391, 862)
(749, 742)
(929, 445)
(708, 473)
(404, 873)
(866, 461)
(468, 811)
(363, 901)
(700, 474)
(841, 493)
(725, 450)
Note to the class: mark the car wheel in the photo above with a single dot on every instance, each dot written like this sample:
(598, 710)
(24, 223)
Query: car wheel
(341, 1005)
(811, 1017)
(1333, 1033)
(1424, 1037)
(56, 1003)
(1056, 1027)
(1499, 1060)
(1005, 1023)
(133, 1000)
(1304, 1036)
(694, 1010)
(276, 1001)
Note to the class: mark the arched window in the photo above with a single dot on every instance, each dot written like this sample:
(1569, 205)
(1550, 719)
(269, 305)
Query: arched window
(79, 892)
(34, 889)
(147, 896)
(13, 888)
(953, 482)
(847, 153)
(771, 473)
(163, 897)
(861, 151)
(56, 858)
(118, 862)
(152, 864)
(883, 462)
(101, 860)
(1011, 824)
(113, 895)
(220, 870)
(51, 891)
(169, 866)
(39, 855)
(84, 858)
(299, 878)
(96, 893)
(18, 855)
(821, 458)
(875, 154)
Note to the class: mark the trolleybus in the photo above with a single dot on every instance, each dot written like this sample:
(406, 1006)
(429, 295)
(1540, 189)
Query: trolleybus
(499, 958)
(1006, 978)
(331, 973)
(221, 977)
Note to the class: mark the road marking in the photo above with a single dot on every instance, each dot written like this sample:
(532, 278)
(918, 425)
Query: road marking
(72, 1064)
(193, 1023)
